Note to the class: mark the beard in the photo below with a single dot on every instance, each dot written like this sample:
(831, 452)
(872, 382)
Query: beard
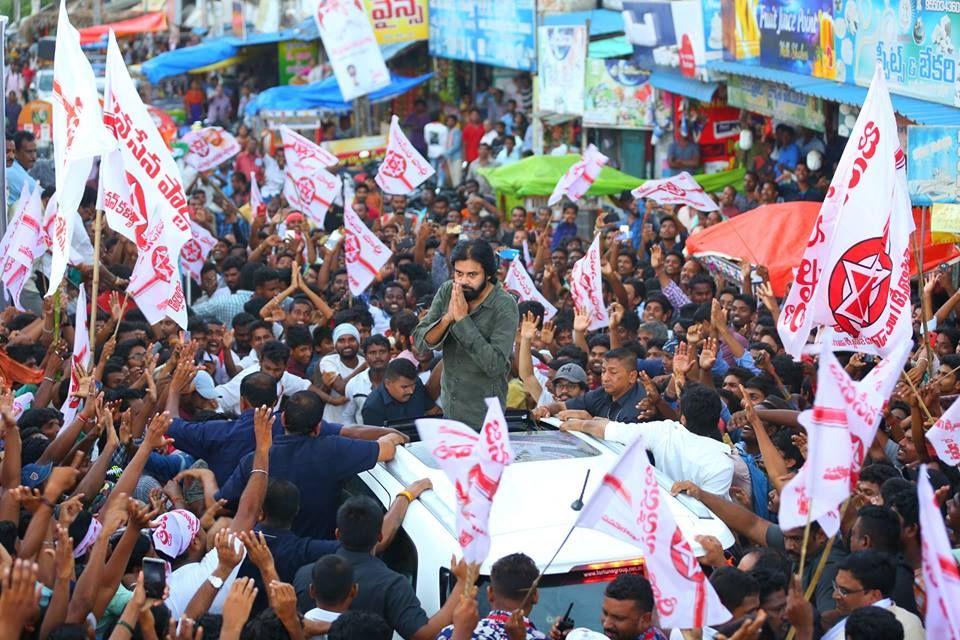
(469, 293)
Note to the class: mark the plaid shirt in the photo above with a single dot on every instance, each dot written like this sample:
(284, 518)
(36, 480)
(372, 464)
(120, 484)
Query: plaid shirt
(224, 308)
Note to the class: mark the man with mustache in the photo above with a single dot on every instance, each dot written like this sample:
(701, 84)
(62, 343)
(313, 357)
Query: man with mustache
(473, 321)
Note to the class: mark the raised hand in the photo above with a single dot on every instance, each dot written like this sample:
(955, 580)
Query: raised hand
(653, 394)
(263, 419)
(229, 553)
(712, 551)
(548, 332)
(616, 314)
(69, 510)
(63, 554)
(528, 327)
(236, 608)
(682, 360)
(708, 354)
(156, 435)
(656, 257)
(581, 320)
(718, 316)
(256, 545)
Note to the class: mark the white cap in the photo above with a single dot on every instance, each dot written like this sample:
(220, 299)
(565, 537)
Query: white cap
(582, 633)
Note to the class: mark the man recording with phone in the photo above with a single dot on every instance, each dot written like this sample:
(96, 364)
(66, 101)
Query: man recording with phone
(473, 321)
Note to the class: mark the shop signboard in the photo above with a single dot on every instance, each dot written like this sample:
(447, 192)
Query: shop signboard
(713, 28)
(495, 32)
(295, 59)
(776, 101)
(618, 95)
(917, 43)
(933, 156)
(741, 30)
(797, 36)
(672, 34)
(358, 151)
(648, 26)
(563, 53)
(397, 21)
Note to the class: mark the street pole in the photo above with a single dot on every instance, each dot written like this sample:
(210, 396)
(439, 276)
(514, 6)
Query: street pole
(3, 127)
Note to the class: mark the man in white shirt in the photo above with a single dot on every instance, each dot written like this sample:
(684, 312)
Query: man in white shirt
(332, 589)
(687, 450)
(273, 361)
(336, 369)
(376, 350)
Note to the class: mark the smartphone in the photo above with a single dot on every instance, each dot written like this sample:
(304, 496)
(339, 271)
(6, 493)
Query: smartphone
(454, 229)
(566, 622)
(624, 233)
(333, 239)
(154, 577)
(509, 254)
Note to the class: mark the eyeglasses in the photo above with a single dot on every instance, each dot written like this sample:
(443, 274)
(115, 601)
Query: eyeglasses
(844, 592)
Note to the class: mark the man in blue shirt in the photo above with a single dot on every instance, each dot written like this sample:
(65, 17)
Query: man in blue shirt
(789, 152)
(24, 157)
(317, 461)
(401, 396)
(567, 228)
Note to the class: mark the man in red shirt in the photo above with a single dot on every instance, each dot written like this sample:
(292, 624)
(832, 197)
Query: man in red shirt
(472, 132)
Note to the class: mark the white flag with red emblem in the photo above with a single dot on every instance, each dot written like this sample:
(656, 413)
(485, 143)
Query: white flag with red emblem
(474, 463)
(81, 249)
(586, 286)
(79, 362)
(22, 244)
(519, 282)
(629, 506)
(141, 191)
(209, 147)
(363, 251)
(258, 208)
(195, 251)
(403, 168)
(940, 573)
(577, 180)
(78, 136)
(308, 187)
(854, 277)
(678, 189)
(944, 435)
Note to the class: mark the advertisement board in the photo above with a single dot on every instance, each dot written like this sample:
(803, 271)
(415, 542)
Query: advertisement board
(797, 36)
(494, 32)
(776, 101)
(398, 20)
(618, 95)
(933, 154)
(295, 59)
(917, 46)
(563, 52)
(350, 44)
(674, 34)
(741, 31)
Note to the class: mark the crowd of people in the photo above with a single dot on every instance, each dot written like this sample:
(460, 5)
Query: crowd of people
(221, 450)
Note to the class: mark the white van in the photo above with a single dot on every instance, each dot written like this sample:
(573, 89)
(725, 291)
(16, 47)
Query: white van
(532, 513)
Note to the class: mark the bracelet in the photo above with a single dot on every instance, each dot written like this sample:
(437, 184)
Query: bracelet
(253, 471)
(47, 331)
(48, 379)
(84, 420)
(406, 494)
(125, 625)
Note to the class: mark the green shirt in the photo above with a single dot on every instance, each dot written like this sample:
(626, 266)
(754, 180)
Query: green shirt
(477, 353)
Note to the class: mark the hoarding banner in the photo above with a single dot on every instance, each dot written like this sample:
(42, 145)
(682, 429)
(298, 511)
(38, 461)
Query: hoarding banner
(797, 36)
(933, 154)
(563, 54)
(494, 32)
(353, 50)
(776, 101)
(741, 31)
(296, 59)
(617, 95)
(397, 21)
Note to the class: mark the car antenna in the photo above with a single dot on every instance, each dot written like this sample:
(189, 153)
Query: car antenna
(577, 504)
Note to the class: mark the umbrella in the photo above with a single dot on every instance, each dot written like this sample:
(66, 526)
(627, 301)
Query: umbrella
(775, 236)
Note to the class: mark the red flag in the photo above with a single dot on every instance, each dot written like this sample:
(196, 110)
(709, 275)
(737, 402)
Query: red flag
(577, 180)
(403, 168)
(365, 254)
(628, 505)
(940, 574)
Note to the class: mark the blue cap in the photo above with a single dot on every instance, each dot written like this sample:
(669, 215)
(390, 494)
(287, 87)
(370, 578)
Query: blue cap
(205, 386)
(652, 366)
(33, 475)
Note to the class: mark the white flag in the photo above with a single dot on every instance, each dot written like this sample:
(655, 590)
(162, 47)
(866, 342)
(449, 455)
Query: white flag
(80, 362)
(22, 244)
(586, 286)
(365, 254)
(81, 249)
(308, 187)
(474, 463)
(141, 191)
(258, 208)
(194, 253)
(78, 136)
(628, 505)
(519, 282)
(854, 277)
(403, 168)
(940, 573)
(578, 178)
(351, 45)
(678, 189)
(944, 435)
(209, 148)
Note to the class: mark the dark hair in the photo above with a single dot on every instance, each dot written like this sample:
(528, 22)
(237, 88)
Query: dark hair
(732, 585)
(301, 415)
(769, 581)
(873, 569)
(631, 586)
(661, 300)
(400, 368)
(37, 417)
(259, 389)
(275, 351)
(599, 340)
(531, 306)
(20, 137)
(952, 360)
(264, 625)
(297, 336)
(232, 262)
(332, 578)
(478, 250)
(783, 440)
(740, 373)
(701, 407)
(404, 322)
(873, 623)
(627, 357)
(878, 473)
(904, 502)
(281, 502)
(764, 384)
(413, 271)
(702, 278)
(242, 319)
(883, 527)
(359, 520)
(512, 575)
(263, 275)
(359, 624)
(630, 322)
(376, 340)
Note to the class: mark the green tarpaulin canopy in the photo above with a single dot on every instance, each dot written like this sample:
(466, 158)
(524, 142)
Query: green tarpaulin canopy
(538, 175)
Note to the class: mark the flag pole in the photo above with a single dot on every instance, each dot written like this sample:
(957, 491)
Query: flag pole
(97, 233)
(536, 581)
(923, 405)
(806, 539)
(918, 257)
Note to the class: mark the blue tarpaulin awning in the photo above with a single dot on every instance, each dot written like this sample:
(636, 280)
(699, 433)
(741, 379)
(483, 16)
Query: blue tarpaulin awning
(920, 111)
(325, 95)
(603, 22)
(673, 81)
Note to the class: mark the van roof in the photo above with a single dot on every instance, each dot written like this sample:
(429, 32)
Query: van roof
(532, 509)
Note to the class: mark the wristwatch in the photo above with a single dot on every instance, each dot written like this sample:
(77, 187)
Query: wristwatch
(215, 582)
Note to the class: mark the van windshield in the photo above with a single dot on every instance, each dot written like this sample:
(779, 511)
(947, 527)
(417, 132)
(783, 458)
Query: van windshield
(584, 589)
(529, 446)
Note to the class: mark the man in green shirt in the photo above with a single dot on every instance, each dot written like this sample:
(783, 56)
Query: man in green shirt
(473, 320)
